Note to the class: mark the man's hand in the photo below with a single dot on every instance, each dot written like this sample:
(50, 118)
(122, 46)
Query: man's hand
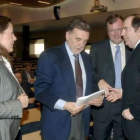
(31, 100)
(72, 108)
(24, 100)
(97, 102)
(102, 84)
(114, 94)
(127, 115)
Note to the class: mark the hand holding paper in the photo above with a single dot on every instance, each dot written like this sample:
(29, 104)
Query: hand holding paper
(92, 99)
(97, 102)
(72, 108)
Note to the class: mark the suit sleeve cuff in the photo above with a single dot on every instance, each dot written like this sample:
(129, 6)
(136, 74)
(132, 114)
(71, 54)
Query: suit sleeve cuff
(60, 104)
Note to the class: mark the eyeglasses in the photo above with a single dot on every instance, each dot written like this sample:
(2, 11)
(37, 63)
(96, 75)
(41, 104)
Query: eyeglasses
(127, 28)
(115, 30)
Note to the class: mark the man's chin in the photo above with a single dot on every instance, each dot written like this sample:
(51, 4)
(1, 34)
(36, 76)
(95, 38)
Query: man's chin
(126, 43)
(80, 49)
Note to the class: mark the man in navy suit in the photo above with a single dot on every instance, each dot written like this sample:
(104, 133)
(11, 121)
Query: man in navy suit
(55, 86)
(103, 62)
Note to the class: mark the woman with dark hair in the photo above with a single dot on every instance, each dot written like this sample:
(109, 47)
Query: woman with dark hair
(12, 97)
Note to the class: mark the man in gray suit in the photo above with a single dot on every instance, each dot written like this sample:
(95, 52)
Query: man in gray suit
(12, 97)
(104, 74)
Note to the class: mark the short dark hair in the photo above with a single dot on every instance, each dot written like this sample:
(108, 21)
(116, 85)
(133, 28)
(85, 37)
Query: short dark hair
(136, 21)
(80, 24)
(16, 71)
(27, 64)
(113, 18)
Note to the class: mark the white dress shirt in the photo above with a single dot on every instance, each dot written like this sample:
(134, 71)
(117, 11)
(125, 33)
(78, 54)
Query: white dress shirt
(60, 103)
(122, 49)
(28, 76)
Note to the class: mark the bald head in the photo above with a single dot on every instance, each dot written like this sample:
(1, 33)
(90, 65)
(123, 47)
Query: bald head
(131, 30)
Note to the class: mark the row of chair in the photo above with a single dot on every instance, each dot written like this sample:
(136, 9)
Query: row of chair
(30, 124)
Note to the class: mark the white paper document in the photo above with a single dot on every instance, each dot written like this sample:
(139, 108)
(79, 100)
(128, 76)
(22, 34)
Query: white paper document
(85, 100)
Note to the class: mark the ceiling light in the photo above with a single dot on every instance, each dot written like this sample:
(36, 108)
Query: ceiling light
(15, 4)
(43, 2)
(98, 7)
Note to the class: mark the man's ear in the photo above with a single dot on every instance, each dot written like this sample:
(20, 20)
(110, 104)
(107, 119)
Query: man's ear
(67, 35)
(0, 36)
(139, 31)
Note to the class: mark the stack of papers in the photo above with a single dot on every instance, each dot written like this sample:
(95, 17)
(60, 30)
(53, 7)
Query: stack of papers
(85, 100)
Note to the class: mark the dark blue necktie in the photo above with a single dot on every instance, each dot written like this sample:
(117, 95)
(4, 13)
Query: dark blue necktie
(78, 77)
(118, 67)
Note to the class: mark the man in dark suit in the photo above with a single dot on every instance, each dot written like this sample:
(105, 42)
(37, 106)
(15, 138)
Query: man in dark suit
(131, 79)
(27, 74)
(56, 86)
(27, 90)
(102, 53)
(27, 79)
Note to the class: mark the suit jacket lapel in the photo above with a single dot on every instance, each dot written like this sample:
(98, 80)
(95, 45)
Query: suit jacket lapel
(67, 71)
(130, 55)
(108, 54)
(127, 53)
(87, 72)
(12, 77)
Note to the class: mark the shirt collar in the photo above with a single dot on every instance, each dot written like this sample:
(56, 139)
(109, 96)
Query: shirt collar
(114, 45)
(137, 44)
(68, 49)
